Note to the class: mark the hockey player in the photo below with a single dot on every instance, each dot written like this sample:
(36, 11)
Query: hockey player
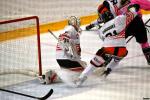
(68, 54)
(144, 4)
(113, 35)
(136, 28)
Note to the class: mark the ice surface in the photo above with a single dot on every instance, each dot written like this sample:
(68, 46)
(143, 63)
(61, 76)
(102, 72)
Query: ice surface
(129, 81)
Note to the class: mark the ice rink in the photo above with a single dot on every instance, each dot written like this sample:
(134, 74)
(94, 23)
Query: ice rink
(129, 81)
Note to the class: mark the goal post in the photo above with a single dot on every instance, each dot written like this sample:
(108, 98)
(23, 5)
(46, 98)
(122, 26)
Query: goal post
(20, 48)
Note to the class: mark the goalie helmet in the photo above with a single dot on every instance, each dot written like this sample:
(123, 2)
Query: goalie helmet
(75, 21)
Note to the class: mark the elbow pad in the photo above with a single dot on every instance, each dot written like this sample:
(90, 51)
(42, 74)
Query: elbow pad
(134, 7)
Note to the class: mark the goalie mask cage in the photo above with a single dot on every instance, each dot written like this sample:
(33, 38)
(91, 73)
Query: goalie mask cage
(20, 51)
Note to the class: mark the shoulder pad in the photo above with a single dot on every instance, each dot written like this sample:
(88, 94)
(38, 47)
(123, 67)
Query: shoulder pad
(69, 28)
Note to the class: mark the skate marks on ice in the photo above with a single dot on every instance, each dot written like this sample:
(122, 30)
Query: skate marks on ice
(124, 83)
(34, 88)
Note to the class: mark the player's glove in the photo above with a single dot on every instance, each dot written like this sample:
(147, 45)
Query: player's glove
(89, 26)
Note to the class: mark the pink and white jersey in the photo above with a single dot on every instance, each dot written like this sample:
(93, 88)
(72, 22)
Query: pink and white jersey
(122, 9)
(74, 36)
(144, 4)
(113, 32)
(116, 2)
(116, 7)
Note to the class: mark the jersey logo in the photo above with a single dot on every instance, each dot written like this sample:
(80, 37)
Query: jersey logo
(111, 34)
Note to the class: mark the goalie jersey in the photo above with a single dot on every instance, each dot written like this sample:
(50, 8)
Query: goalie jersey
(69, 44)
(113, 32)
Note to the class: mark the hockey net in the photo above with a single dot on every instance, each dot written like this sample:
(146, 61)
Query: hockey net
(20, 46)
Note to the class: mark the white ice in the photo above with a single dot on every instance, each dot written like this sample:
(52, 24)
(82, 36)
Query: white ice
(129, 81)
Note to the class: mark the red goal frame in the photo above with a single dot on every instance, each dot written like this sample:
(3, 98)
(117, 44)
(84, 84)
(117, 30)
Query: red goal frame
(38, 35)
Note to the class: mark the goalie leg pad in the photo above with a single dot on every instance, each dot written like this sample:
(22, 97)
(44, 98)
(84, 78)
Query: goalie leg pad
(70, 64)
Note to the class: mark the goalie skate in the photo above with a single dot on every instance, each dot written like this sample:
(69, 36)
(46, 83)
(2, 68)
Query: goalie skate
(42, 79)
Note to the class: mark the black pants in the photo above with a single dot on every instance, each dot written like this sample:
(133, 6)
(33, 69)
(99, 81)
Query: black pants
(66, 63)
(137, 29)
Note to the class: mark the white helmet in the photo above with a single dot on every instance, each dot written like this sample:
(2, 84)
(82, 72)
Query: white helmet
(75, 21)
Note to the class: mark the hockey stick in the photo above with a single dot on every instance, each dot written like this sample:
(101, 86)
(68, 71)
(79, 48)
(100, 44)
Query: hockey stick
(147, 22)
(73, 49)
(147, 25)
(57, 39)
(129, 39)
(26, 95)
(53, 35)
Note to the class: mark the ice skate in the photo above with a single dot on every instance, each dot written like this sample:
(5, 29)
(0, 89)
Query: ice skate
(80, 81)
(42, 79)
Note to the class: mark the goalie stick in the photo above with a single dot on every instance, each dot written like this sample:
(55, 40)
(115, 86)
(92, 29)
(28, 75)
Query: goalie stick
(73, 49)
(27, 95)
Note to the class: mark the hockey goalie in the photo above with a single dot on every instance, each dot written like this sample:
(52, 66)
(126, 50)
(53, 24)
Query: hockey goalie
(68, 53)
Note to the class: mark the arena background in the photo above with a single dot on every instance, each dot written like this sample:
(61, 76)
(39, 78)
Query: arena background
(129, 81)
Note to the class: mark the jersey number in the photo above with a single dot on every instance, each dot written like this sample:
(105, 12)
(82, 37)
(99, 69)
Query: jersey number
(114, 1)
(111, 34)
